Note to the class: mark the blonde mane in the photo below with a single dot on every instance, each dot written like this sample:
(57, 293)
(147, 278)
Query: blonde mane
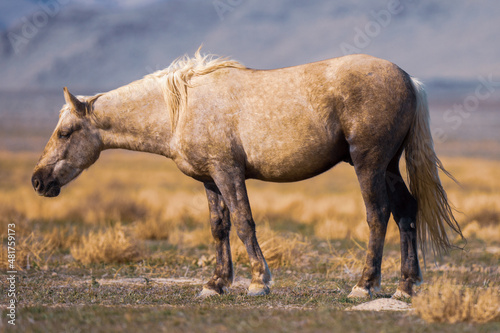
(175, 79)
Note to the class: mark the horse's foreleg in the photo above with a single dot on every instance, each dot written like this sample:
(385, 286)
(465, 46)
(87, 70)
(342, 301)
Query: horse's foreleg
(232, 186)
(220, 225)
(374, 193)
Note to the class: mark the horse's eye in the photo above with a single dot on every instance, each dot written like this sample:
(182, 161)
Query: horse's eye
(64, 134)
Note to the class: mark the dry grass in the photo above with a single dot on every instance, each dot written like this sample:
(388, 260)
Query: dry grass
(152, 229)
(184, 237)
(313, 234)
(148, 194)
(348, 263)
(489, 233)
(62, 238)
(36, 248)
(447, 301)
(32, 251)
(110, 245)
(279, 249)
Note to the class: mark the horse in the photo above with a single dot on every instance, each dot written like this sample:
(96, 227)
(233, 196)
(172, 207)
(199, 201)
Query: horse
(222, 123)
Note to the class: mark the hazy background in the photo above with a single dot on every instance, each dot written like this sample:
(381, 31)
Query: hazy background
(93, 46)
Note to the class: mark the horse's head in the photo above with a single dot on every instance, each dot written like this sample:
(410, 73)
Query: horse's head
(74, 146)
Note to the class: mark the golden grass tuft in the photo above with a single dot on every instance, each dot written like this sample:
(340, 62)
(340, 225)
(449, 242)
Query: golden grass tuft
(349, 263)
(279, 249)
(344, 227)
(152, 229)
(489, 233)
(10, 215)
(32, 251)
(447, 302)
(486, 216)
(62, 238)
(112, 245)
(185, 238)
(36, 249)
(337, 229)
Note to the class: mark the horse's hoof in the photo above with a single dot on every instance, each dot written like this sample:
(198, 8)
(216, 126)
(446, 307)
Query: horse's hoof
(258, 290)
(358, 292)
(399, 294)
(207, 293)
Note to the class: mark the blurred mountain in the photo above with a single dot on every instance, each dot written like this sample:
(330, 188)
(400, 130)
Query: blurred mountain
(98, 45)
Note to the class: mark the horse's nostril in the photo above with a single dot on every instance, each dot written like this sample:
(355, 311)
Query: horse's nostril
(37, 183)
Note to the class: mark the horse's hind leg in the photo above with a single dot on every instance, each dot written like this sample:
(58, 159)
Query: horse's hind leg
(404, 211)
(231, 182)
(372, 183)
(220, 224)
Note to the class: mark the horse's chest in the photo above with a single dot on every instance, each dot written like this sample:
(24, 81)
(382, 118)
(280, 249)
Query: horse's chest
(192, 158)
(193, 169)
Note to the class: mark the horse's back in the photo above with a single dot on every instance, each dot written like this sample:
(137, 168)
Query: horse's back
(294, 123)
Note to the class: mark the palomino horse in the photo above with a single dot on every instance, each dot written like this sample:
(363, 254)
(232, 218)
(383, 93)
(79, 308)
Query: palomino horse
(223, 123)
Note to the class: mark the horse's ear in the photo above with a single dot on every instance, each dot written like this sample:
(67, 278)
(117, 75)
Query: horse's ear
(76, 105)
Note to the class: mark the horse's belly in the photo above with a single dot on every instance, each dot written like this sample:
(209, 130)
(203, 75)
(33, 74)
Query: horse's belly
(293, 160)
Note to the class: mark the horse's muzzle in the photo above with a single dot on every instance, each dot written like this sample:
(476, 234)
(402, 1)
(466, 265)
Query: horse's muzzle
(47, 189)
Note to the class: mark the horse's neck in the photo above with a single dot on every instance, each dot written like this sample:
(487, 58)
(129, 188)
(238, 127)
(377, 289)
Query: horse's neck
(135, 117)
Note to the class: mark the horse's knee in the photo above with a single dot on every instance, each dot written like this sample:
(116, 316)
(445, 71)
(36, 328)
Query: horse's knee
(245, 228)
(377, 218)
(220, 233)
(220, 227)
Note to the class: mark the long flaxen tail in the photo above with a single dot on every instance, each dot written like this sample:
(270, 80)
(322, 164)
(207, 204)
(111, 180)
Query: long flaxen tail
(422, 164)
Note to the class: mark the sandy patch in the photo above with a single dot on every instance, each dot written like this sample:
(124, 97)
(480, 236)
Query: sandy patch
(141, 281)
(382, 304)
(239, 282)
(493, 249)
